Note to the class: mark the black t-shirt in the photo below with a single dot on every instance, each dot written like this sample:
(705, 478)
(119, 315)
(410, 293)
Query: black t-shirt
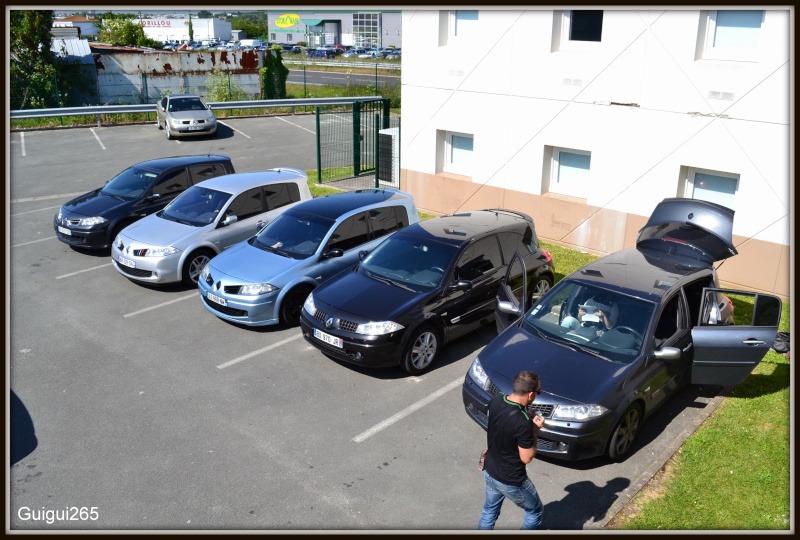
(510, 428)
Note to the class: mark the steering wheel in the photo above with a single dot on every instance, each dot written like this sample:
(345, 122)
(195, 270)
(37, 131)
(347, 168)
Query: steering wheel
(629, 330)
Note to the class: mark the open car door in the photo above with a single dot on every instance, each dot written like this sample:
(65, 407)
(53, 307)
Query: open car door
(725, 354)
(512, 293)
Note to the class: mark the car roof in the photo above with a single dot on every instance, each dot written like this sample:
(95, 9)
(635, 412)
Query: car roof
(462, 227)
(333, 206)
(238, 182)
(162, 164)
(173, 96)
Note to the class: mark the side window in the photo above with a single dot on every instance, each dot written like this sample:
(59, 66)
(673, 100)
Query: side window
(669, 321)
(479, 259)
(199, 173)
(247, 204)
(278, 195)
(164, 102)
(351, 233)
(510, 241)
(386, 220)
(172, 182)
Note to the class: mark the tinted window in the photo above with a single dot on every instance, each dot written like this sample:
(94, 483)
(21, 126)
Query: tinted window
(172, 182)
(199, 173)
(669, 322)
(281, 194)
(293, 234)
(511, 241)
(386, 220)
(479, 259)
(196, 206)
(351, 233)
(130, 184)
(247, 204)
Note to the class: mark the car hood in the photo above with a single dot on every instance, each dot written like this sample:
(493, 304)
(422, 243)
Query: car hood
(253, 265)
(691, 228)
(94, 203)
(158, 231)
(572, 375)
(190, 115)
(356, 293)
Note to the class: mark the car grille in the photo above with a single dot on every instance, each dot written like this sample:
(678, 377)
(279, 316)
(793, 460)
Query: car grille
(135, 271)
(547, 410)
(225, 309)
(74, 240)
(232, 289)
(341, 324)
(188, 122)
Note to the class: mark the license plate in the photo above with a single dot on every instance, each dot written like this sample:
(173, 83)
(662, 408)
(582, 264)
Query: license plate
(216, 299)
(126, 262)
(195, 128)
(64, 230)
(327, 338)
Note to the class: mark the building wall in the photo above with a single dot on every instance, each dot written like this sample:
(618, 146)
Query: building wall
(288, 26)
(178, 29)
(643, 102)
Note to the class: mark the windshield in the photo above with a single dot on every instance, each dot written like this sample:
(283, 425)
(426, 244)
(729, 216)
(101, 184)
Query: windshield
(293, 234)
(186, 104)
(196, 206)
(595, 319)
(130, 184)
(417, 263)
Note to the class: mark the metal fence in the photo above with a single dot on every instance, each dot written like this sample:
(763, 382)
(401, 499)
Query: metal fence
(359, 148)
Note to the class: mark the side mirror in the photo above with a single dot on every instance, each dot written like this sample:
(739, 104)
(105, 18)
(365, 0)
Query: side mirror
(335, 252)
(361, 254)
(153, 196)
(668, 353)
(460, 285)
(229, 220)
(508, 307)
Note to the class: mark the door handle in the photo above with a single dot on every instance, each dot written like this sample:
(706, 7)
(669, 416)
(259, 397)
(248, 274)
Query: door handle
(752, 341)
(687, 348)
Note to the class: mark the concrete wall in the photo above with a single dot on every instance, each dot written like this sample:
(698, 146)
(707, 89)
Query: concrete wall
(641, 101)
(121, 75)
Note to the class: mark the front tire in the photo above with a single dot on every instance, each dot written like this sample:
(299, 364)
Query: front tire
(624, 433)
(194, 265)
(421, 350)
(167, 131)
(292, 305)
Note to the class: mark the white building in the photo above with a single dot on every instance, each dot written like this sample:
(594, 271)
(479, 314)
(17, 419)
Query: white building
(178, 29)
(86, 27)
(585, 120)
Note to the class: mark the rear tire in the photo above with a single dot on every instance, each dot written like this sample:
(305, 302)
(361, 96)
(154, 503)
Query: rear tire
(621, 441)
(292, 305)
(422, 350)
(194, 264)
(540, 288)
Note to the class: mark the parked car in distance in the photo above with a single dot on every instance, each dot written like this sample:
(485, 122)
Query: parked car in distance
(176, 243)
(353, 53)
(615, 339)
(92, 220)
(266, 279)
(185, 114)
(423, 287)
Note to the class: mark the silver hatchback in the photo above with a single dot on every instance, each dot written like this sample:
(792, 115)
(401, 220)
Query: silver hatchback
(176, 243)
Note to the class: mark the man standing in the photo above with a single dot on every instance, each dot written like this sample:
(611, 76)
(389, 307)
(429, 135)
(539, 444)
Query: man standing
(511, 440)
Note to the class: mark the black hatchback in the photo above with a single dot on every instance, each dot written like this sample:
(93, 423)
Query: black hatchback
(422, 287)
(92, 220)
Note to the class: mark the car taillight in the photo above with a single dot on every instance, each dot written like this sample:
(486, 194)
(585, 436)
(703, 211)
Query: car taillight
(547, 255)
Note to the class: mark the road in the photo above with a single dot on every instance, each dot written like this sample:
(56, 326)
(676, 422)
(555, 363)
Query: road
(341, 79)
(150, 413)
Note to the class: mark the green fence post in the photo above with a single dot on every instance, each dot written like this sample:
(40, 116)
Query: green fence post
(386, 112)
(319, 153)
(356, 138)
(377, 149)
(376, 77)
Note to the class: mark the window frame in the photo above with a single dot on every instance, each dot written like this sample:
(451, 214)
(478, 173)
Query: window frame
(561, 189)
(689, 185)
(449, 166)
(568, 45)
(712, 52)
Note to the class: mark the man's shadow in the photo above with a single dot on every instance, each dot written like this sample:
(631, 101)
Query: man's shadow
(584, 502)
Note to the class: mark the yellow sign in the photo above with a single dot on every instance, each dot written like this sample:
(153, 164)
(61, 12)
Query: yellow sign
(287, 20)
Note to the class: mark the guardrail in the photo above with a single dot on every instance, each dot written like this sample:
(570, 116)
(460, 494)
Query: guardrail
(338, 63)
(219, 105)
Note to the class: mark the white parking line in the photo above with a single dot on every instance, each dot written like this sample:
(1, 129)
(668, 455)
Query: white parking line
(22, 137)
(32, 211)
(82, 271)
(259, 351)
(193, 295)
(405, 412)
(98, 138)
(295, 125)
(34, 241)
(234, 129)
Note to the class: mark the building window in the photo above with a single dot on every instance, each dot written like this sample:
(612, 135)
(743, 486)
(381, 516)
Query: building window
(584, 25)
(712, 186)
(465, 23)
(732, 34)
(458, 153)
(569, 172)
(272, 38)
(288, 38)
(366, 30)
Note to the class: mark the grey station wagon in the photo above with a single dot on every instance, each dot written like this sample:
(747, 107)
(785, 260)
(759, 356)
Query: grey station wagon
(617, 338)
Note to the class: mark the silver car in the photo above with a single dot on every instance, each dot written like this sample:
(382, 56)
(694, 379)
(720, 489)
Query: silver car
(266, 279)
(185, 114)
(176, 243)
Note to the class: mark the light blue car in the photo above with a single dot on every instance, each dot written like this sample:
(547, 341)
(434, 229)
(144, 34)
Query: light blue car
(265, 279)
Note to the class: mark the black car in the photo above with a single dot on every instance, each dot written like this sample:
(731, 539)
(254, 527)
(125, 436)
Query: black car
(92, 220)
(617, 338)
(422, 287)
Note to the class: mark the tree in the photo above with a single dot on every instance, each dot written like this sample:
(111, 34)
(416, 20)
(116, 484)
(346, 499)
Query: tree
(121, 31)
(191, 30)
(203, 14)
(32, 70)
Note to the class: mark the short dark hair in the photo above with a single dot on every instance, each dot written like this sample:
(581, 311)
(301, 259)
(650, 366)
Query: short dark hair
(525, 382)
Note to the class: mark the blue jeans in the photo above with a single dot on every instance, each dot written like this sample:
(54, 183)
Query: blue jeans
(524, 496)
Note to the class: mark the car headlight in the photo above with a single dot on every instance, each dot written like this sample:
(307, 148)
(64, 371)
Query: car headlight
(161, 251)
(205, 272)
(254, 289)
(578, 413)
(477, 374)
(92, 221)
(309, 306)
(378, 328)
(118, 242)
(211, 119)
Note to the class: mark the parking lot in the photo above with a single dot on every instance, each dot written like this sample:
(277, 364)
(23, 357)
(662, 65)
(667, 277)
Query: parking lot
(147, 408)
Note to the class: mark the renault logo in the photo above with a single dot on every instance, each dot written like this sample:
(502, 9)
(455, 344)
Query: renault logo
(329, 322)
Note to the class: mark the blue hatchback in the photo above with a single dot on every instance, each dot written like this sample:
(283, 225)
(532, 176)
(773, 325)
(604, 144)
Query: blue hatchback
(265, 279)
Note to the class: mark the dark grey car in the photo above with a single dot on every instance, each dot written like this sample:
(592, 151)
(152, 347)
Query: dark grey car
(617, 338)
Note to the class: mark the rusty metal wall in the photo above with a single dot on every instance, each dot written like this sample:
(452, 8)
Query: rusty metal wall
(138, 77)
